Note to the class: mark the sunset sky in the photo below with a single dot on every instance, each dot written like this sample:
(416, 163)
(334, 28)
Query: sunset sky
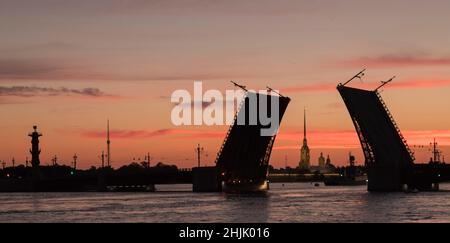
(67, 66)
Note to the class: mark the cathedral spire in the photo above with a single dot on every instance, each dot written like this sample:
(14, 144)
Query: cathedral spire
(304, 151)
(305, 142)
(304, 123)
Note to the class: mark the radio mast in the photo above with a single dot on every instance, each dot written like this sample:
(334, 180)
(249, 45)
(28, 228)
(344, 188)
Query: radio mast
(108, 144)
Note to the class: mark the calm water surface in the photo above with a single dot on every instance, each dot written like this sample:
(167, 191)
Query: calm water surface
(291, 202)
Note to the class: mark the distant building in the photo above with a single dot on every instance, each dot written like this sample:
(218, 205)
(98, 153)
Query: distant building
(351, 159)
(328, 162)
(329, 167)
(321, 161)
(325, 165)
(304, 151)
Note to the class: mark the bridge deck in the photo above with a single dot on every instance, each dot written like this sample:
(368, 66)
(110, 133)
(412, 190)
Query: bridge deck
(387, 155)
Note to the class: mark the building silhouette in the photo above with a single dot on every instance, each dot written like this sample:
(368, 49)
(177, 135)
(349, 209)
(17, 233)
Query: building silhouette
(35, 151)
(321, 160)
(328, 161)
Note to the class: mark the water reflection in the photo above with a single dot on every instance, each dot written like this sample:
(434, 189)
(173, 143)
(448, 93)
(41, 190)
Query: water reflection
(247, 208)
(293, 202)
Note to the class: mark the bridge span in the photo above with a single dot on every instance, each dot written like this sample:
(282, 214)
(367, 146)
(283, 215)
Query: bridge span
(389, 160)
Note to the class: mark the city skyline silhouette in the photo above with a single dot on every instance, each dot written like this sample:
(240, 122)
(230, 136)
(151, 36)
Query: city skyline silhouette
(69, 67)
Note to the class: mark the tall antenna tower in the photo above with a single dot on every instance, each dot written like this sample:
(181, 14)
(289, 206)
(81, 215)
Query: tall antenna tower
(435, 151)
(147, 158)
(55, 161)
(108, 144)
(199, 151)
(102, 157)
(75, 157)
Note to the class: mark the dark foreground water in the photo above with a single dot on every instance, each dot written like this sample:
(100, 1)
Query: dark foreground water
(291, 202)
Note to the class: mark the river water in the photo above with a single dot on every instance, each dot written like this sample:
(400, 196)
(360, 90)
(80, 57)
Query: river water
(289, 202)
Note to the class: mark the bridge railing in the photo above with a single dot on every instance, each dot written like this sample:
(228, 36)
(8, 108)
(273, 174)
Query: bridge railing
(229, 130)
(184, 169)
(411, 153)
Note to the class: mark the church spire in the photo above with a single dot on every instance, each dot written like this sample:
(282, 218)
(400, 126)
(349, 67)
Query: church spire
(304, 151)
(304, 123)
(305, 142)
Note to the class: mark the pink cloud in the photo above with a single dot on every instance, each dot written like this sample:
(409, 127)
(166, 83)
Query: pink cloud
(337, 139)
(425, 137)
(320, 87)
(130, 133)
(392, 60)
(209, 134)
(35, 91)
(408, 84)
(420, 84)
(414, 84)
(346, 139)
(320, 139)
(140, 134)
